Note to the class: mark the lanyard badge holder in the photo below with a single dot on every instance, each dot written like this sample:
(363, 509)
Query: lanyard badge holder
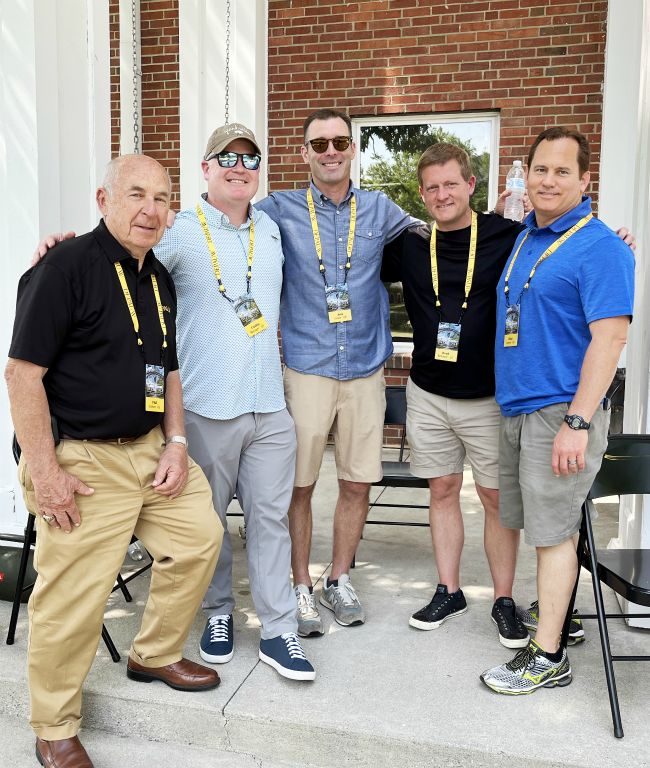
(154, 375)
(337, 297)
(245, 306)
(513, 311)
(448, 338)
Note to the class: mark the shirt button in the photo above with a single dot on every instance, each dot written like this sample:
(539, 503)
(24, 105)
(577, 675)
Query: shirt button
(341, 348)
(341, 267)
(340, 239)
(338, 213)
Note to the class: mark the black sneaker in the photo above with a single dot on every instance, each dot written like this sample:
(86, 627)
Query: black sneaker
(443, 606)
(512, 632)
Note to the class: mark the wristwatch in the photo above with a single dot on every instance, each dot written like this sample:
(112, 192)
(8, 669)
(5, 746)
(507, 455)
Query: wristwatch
(180, 439)
(576, 422)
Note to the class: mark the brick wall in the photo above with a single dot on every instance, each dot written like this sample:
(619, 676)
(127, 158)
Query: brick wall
(160, 129)
(535, 62)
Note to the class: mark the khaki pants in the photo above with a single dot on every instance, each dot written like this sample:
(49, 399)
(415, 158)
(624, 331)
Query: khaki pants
(76, 571)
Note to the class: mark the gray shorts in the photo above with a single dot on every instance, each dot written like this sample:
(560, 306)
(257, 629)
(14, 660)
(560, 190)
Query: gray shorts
(443, 431)
(530, 495)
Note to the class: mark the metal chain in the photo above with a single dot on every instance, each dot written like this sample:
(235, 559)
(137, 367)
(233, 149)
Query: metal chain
(227, 84)
(137, 73)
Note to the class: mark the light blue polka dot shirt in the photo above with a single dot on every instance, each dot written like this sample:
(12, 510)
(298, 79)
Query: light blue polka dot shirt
(225, 373)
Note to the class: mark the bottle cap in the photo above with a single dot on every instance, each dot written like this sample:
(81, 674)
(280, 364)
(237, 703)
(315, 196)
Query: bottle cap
(517, 163)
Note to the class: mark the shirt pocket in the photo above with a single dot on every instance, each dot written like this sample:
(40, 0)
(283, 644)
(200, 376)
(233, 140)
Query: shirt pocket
(369, 245)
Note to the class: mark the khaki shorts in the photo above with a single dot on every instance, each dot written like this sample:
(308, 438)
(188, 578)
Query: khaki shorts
(531, 496)
(442, 431)
(353, 410)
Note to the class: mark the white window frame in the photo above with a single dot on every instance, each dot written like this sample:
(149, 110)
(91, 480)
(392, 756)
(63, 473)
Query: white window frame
(441, 118)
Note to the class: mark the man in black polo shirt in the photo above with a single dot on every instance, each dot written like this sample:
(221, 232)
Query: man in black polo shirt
(94, 347)
(450, 295)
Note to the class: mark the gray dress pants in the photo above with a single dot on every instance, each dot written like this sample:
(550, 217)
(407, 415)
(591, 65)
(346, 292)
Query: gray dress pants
(254, 456)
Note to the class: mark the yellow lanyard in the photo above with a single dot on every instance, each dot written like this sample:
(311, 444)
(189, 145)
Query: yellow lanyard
(548, 252)
(317, 242)
(132, 312)
(215, 260)
(470, 263)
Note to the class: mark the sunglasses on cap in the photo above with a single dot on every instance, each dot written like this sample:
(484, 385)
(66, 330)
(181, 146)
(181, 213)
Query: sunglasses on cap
(340, 144)
(229, 160)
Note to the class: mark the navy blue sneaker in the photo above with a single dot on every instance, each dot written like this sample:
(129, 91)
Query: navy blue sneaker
(217, 640)
(285, 654)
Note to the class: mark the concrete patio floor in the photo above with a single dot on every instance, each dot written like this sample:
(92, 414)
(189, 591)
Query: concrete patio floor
(385, 694)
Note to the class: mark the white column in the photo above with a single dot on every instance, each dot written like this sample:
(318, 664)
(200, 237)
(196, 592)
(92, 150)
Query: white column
(202, 80)
(54, 143)
(625, 199)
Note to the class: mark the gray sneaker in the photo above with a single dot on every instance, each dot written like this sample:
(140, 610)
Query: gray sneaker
(343, 600)
(309, 621)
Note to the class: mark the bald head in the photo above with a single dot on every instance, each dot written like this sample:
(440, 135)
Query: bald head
(134, 201)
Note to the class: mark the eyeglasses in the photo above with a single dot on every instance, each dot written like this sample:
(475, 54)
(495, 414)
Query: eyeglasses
(229, 160)
(340, 144)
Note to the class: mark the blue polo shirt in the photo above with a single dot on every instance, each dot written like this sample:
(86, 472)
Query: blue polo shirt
(590, 277)
(310, 343)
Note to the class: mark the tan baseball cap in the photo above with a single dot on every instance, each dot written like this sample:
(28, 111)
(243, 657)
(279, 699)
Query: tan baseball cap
(224, 134)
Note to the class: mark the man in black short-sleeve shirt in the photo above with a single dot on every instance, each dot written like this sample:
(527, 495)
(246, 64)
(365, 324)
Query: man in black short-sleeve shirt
(94, 350)
(450, 297)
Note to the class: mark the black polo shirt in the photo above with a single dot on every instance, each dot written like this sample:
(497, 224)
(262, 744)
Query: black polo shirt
(408, 259)
(72, 318)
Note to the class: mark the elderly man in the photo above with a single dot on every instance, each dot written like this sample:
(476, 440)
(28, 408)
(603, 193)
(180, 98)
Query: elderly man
(94, 354)
(564, 306)
(335, 339)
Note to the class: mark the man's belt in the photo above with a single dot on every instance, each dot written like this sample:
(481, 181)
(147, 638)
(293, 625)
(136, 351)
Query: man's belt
(117, 440)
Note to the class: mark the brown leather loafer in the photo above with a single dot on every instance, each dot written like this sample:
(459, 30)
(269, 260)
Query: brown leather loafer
(184, 675)
(62, 753)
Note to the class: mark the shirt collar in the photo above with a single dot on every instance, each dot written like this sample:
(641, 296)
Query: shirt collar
(116, 252)
(566, 221)
(219, 219)
(318, 195)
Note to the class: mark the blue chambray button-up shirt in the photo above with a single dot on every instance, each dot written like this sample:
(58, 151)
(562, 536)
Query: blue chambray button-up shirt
(310, 343)
(225, 372)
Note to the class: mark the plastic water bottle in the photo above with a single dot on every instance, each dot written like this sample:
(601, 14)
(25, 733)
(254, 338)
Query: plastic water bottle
(516, 185)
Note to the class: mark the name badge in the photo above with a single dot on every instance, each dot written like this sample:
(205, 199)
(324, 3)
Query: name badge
(511, 338)
(338, 303)
(250, 315)
(154, 388)
(447, 342)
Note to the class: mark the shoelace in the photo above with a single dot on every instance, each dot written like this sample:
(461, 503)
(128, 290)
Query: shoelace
(306, 603)
(219, 629)
(345, 594)
(524, 659)
(293, 646)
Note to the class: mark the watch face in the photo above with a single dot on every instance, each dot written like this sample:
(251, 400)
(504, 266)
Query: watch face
(575, 422)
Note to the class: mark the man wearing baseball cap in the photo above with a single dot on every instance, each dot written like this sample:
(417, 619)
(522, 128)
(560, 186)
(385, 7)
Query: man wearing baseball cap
(226, 260)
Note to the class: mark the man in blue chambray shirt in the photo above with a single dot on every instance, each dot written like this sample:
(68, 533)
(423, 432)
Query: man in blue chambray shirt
(334, 320)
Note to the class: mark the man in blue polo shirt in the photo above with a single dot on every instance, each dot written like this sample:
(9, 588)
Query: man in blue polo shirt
(335, 339)
(565, 302)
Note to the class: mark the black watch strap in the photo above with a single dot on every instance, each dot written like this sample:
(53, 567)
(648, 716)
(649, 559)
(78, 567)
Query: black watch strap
(576, 422)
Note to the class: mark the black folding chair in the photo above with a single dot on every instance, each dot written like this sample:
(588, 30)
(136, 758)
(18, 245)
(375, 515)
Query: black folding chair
(29, 540)
(397, 474)
(625, 470)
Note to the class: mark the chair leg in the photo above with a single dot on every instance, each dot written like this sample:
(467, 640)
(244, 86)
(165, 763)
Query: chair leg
(20, 582)
(110, 645)
(121, 585)
(604, 635)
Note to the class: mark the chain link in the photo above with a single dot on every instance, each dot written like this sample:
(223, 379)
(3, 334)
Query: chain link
(137, 75)
(227, 84)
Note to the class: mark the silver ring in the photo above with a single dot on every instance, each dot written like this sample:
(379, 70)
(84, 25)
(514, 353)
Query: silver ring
(48, 518)
(572, 463)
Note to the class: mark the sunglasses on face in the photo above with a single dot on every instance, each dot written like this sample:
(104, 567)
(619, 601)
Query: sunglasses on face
(340, 144)
(229, 160)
